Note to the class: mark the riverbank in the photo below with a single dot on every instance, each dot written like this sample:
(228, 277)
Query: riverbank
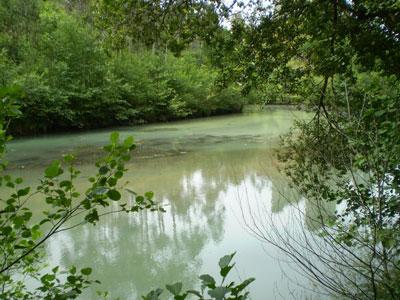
(273, 107)
(158, 139)
(248, 108)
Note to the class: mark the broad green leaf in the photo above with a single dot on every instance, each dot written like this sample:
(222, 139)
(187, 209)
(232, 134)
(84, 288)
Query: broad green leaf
(86, 271)
(149, 195)
(23, 192)
(242, 286)
(53, 170)
(175, 288)
(218, 293)
(18, 221)
(225, 261)
(103, 170)
(47, 277)
(71, 279)
(208, 281)
(224, 271)
(36, 234)
(114, 195)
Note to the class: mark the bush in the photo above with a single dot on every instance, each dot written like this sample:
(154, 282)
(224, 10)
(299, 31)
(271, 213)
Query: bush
(165, 87)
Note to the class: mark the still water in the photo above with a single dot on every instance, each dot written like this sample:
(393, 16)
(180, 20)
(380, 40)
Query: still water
(209, 173)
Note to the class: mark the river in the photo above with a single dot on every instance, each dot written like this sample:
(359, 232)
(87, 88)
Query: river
(208, 173)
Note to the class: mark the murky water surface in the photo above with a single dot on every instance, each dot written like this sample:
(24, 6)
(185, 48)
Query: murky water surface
(207, 172)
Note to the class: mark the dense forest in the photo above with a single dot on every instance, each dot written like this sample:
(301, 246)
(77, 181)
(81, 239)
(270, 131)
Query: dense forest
(81, 64)
(76, 74)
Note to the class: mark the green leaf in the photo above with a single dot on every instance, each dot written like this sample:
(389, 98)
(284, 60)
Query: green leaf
(53, 170)
(26, 234)
(47, 277)
(225, 261)
(114, 137)
(175, 288)
(112, 181)
(92, 217)
(242, 286)
(36, 234)
(86, 271)
(23, 192)
(18, 221)
(71, 279)
(27, 215)
(149, 195)
(197, 293)
(114, 195)
(218, 293)
(139, 199)
(67, 184)
(103, 170)
(118, 174)
(208, 281)
(380, 113)
(153, 295)
(126, 157)
(68, 158)
(6, 230)
(128, 142)
(10, 184)
(224, 271)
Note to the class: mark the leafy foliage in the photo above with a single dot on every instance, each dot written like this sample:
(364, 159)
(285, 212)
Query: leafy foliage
(339, 57)
(74, 80)
(155, 24)
(348, 155)
(209, 286)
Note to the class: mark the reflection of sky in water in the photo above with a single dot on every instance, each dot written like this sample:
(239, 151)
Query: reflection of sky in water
(206, 195)
(208, 189)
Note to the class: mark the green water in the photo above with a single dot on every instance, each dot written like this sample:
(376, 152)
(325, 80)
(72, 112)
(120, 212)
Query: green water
(209, 173)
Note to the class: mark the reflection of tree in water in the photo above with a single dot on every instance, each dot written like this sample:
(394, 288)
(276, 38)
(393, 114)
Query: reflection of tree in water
(131, 254)
(137, 252)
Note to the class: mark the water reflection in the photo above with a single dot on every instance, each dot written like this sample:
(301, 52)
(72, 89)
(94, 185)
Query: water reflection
(134, 253)
(203, 171)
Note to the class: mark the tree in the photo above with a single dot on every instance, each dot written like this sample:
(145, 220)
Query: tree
(18, 23)
(348, 153)
(157, 25)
